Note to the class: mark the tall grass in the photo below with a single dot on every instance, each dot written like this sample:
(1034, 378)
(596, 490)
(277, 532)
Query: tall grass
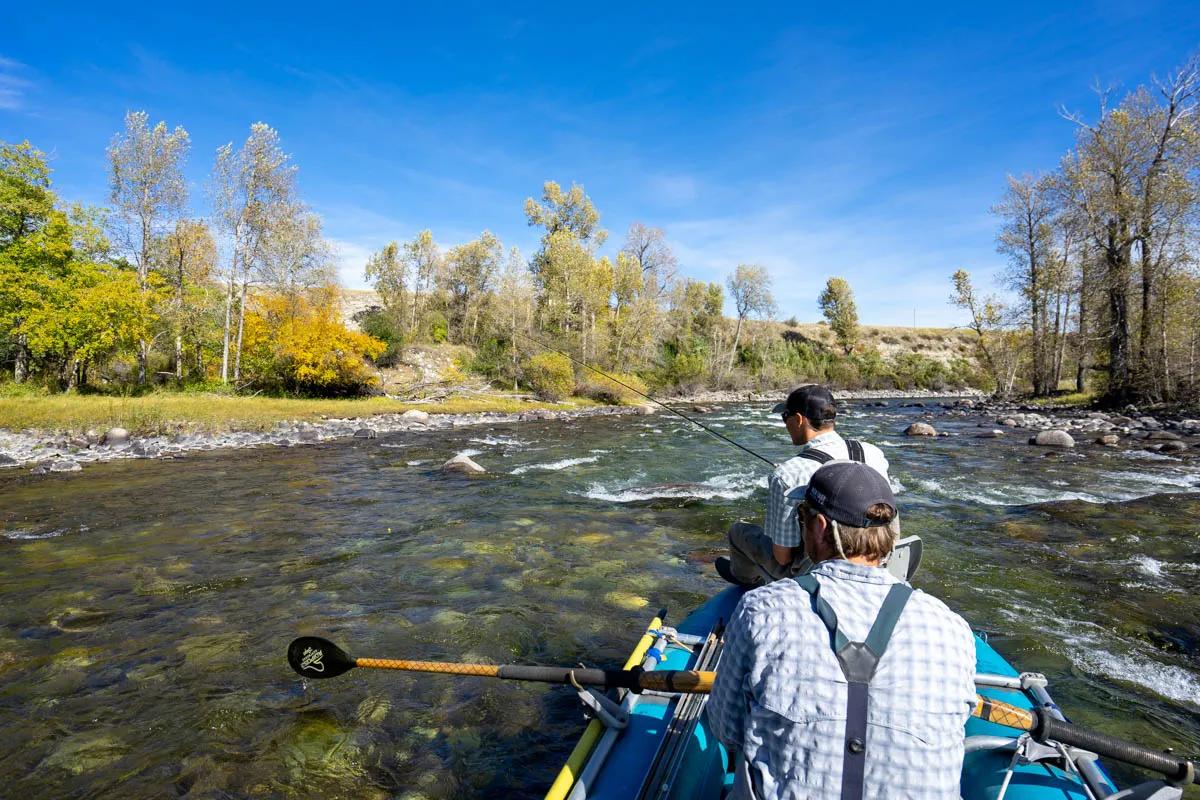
(167, 412)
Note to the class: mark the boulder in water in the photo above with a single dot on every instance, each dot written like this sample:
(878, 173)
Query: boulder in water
(366, 433)
(1053, 438)
(65, 465)
(463, 465)
(1108, 440)
(1173, 446)
(1164, 436)
(309, 434)
(992, 434)
(114, 436)
(647, 410)
(920, 429)
(1008, 422)
(7, 460)
(415, 415)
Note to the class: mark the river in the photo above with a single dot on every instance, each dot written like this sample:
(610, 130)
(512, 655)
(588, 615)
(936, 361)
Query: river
(145, 606)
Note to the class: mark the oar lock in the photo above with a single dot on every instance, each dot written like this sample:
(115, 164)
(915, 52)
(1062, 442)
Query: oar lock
(597, 705)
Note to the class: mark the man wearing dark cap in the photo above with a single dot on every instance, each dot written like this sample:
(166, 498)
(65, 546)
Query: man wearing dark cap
(760, 555)
(844, 682)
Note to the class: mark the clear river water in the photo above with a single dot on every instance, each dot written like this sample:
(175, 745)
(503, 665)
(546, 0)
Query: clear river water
(145, 606)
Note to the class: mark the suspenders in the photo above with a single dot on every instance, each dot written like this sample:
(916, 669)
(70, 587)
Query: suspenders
(858, 661)
(821, 457)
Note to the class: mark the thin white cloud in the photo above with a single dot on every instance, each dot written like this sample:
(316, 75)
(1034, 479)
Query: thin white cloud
(13, 86)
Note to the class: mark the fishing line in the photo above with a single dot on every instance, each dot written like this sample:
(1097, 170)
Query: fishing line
(697, 423)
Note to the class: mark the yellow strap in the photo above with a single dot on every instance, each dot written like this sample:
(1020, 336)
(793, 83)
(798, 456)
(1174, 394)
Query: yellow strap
(579, 756)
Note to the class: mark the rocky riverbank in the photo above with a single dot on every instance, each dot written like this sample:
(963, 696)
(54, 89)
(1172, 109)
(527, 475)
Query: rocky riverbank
(1172, 433)
(732, 396)
(46, 453)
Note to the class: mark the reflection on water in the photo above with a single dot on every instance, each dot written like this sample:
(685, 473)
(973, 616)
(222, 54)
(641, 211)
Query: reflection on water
(145, 606)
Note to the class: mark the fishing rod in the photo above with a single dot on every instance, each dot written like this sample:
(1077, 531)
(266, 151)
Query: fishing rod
(677, 413)
(314, 657)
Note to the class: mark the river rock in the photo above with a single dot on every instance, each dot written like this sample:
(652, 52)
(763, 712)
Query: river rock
(366, 433)
(1173, 446)
(920, 429)
(1008, 422)
(115, 436)
(7, 460)
(65, 465)
(415, 415)
(647, 410)
(703, 409)
(309, 434)
(1052, 438)
(1164, 436)
(463, 465)
(1108, 440)
(992, 434)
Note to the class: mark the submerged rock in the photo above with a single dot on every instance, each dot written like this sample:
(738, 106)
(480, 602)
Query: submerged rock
(366, 433)
(85, 752)
(1173, 446)
(1052, 438)
(463, 465)
(920, 429)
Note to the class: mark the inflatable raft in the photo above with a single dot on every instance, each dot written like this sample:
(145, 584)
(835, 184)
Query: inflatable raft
(661, 749)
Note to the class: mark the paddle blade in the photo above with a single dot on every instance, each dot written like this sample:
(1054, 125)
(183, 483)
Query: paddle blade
(314, 657)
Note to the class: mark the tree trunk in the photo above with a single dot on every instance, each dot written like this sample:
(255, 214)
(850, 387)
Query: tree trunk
(737, 334)
(228, 321)
(1081, 341)
(1117, 262)
(21, 360)
(237, 359)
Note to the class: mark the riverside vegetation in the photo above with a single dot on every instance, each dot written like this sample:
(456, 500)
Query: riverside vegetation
(243, 301)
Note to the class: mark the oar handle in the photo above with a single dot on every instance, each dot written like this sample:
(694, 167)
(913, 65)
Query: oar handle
(1045, 727)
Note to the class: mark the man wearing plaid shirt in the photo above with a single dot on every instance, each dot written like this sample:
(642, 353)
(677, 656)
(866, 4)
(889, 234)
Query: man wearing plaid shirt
(844, 683)
(761, 554)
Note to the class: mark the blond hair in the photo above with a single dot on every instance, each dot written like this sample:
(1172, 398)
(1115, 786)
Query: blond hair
(873, 542)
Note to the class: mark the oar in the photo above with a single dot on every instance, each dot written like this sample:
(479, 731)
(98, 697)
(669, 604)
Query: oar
(314, 657)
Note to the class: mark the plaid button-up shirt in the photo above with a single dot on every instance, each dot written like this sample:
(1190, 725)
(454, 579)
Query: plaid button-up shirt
(780, 523)
(780, 695)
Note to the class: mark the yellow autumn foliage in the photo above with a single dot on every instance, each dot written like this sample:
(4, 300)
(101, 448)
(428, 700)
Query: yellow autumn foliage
(297, 343)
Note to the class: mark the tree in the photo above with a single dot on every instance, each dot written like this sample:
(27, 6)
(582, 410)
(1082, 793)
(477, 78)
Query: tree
(470, 270)
(750, 287)
(648, 250)
(252, 187)
(1027, 213)
(26, 203)
(1131, 178)
(423, 260)
(569, 212)
(148, 189)
(187, 259)
(388, 275)
(998, 350)
(837, 304)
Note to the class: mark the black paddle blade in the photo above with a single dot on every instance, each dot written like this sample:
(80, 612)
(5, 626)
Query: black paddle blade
(314, 657)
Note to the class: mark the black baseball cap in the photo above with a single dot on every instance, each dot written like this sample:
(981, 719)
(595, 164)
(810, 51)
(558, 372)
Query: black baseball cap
(814, 402)
(844, 490)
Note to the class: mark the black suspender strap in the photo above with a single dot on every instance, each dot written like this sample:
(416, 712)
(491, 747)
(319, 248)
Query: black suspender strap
(858, 661)
(821, 457)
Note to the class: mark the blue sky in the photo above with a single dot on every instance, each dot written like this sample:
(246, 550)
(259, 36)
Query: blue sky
(866, 141)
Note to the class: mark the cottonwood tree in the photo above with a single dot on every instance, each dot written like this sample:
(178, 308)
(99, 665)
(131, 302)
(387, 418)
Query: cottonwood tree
(998, 349)
(514, 304)
(750, 288)
(647, 248)
(252, 190)
(388, 274)
(148, 190)
(1027, 213)
(837, 304)
(422, 259)
(470, 270)
(1131, 176)
(187, 259)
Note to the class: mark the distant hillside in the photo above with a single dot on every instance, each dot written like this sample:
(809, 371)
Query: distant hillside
(942, 344)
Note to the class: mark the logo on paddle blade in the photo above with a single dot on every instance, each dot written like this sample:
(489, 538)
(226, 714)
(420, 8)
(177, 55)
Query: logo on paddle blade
(311, 660)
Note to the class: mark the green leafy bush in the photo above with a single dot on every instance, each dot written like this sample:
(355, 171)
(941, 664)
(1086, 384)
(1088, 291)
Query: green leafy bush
(607, 390)
(550, 376)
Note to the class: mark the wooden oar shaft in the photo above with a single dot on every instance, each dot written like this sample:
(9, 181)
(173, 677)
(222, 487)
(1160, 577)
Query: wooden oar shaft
(448, 668)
